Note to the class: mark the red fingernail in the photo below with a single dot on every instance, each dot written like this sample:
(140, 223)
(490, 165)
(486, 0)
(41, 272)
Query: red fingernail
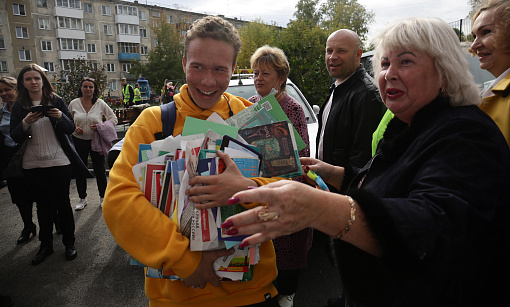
(227, 224)
(251, 187)
(234, 200)
(243, 244)
(232, 232)
(307, 168)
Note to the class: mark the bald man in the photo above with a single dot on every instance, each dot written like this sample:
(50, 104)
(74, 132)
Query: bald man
(354, 108)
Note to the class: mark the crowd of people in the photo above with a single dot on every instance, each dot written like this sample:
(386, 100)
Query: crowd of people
(416, 160)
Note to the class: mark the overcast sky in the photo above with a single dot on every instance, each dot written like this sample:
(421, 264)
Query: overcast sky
(281, 11)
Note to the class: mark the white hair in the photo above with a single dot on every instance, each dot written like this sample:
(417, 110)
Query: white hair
(437, 39)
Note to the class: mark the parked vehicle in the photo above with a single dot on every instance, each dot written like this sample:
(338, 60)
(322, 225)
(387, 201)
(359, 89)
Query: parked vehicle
(243, 85)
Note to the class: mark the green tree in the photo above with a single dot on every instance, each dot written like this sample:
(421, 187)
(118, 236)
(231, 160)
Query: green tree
(165, 60)
(304, 47)
(79, 69)
(307, 11)
(254, 35)
(346, 14)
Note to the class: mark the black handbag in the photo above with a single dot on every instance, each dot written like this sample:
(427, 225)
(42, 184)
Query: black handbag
(14, 168)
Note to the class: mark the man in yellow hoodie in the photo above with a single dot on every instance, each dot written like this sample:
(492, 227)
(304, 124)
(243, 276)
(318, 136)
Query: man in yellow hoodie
(211, 48)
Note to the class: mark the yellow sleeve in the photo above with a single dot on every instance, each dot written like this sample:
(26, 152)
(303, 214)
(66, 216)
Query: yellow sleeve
(260, 182)
(139, 228)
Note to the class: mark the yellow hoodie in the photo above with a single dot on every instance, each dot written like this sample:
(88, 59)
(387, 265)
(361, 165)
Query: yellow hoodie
(152, 238)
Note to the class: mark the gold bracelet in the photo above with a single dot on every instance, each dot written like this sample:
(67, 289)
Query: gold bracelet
(350, 222)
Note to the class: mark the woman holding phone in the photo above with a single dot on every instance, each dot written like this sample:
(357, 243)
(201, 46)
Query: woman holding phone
(49, 158)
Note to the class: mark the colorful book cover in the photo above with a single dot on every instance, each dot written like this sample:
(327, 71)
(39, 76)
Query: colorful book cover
(277, 148)
(153, 182)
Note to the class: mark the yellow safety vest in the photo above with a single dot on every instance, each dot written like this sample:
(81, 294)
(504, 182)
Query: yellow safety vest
(138, 96)
(125, 93)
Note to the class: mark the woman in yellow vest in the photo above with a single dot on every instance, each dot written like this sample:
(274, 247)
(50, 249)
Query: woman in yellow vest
(138, 97)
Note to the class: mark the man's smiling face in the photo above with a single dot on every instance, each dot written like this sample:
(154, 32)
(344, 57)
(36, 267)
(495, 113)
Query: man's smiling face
(208, 66)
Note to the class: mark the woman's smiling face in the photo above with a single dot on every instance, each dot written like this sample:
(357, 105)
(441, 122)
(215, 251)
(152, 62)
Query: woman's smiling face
(408, 81)
(485, 31)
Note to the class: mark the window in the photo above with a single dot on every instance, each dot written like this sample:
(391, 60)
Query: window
(44, 24)
(112, 85)
(25, 55)
(108, 30)
(21, 32)
(126, 10)
(49, 66)
(75, 4)
(2, 43)
(143, 33)
(42, 3)
(128, 29)
(107, 11)
(87, 8)
(93, 65)
(144, 50)
(72, 44)
(128, 48)
(90, 28)
(70, 23)
(109, 49)
(169, 18)
(155, 14)
(18, 9)
(46, 46)
(126, 67)
(143, 15)
(155, 42)
(91, 48)
(110, 67)
(3, 66)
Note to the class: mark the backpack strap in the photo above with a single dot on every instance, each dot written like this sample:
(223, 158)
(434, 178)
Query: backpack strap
(168, 114)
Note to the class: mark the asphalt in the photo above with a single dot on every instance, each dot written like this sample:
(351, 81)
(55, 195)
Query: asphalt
(101, 274)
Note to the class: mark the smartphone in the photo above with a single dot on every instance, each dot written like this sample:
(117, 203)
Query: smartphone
(42, 109)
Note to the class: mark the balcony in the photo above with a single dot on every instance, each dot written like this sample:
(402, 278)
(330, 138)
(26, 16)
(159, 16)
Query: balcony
(128, 38)
(68, 12)
(72, 54)
(70, 33)
(129, 56)
(127, 19)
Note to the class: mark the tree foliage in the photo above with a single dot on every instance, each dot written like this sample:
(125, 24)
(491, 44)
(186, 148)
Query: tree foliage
(165, 60)
(304, 40)
(305, 47)
(79, 69)
(254, 35)
(346, 14)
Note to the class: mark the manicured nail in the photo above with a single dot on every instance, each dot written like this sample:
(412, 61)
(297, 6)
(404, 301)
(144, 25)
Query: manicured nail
(251, 187)
(227, 224)
(232, 232)
(243, 244)
(234, 200)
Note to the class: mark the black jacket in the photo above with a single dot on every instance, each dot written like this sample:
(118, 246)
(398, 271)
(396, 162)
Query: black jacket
(356, 111)
(436, 197)
(63, 128)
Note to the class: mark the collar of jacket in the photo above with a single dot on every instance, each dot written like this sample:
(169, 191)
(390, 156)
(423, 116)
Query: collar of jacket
(354, 76)
(399, 135)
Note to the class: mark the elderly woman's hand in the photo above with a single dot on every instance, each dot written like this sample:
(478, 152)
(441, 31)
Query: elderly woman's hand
(332, 175)
(292, 201)
(215, 190)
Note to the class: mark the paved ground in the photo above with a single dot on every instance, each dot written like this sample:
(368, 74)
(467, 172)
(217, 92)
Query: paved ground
(101, 275)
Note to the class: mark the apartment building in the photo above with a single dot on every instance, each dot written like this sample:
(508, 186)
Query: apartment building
(52, 33)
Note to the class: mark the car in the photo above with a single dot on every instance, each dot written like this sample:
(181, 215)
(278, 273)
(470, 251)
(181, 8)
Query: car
(243, 85)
